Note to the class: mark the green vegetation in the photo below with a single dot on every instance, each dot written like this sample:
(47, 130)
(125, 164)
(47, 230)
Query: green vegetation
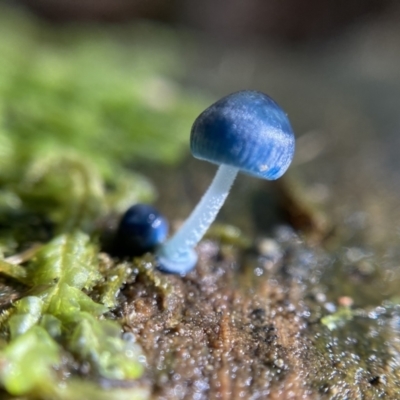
(337, 319)
(84, 106)
(77, 110)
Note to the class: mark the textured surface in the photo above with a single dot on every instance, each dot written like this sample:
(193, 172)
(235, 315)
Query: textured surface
(254, 330)
(247, 130)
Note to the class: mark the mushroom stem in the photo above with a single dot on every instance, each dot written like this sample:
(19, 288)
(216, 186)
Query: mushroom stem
(182, 243)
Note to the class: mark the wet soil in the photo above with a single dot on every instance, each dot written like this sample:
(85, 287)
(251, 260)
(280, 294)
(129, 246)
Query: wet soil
(255, 328)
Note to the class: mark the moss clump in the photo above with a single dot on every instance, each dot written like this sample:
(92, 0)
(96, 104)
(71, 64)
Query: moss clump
(77, 108)
(56, 312)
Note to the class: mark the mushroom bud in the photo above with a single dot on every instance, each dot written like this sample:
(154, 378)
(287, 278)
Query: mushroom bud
(141, 229)
(244, 131)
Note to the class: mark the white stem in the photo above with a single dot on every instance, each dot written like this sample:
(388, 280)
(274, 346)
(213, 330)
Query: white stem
(202, 216)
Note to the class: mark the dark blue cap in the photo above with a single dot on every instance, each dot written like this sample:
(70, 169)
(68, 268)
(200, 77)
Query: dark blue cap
(141, 229)
(247, 130)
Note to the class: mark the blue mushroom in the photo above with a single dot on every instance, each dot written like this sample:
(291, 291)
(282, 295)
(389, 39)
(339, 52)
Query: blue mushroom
(141, 229)
(244, 131)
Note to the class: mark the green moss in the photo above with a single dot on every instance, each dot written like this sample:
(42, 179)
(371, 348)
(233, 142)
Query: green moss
(78, 108)
(26, 362)
(59, 312)
(85, 106)
(114, 279)
(337, 319)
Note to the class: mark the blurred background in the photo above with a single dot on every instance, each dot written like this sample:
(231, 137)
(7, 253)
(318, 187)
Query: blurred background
(284, 21)
(120, 82)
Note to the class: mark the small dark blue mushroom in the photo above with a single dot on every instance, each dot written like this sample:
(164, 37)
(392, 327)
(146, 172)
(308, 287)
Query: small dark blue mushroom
(141, 229)
(245, 131)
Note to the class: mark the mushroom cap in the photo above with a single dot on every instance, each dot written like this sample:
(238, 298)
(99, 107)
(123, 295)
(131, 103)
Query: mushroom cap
(141, 229)
(247, 130)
